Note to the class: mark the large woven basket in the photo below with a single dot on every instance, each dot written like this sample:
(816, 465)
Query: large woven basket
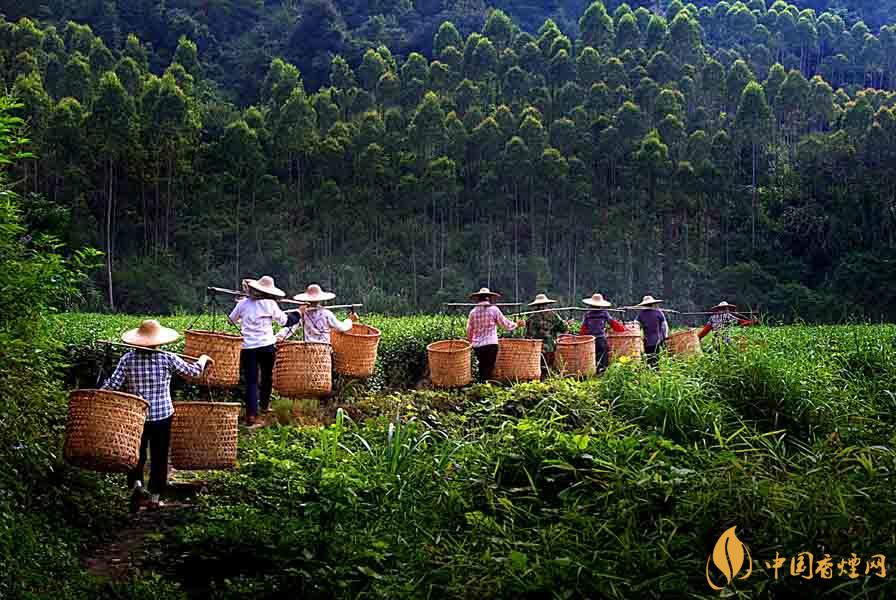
(450, 363)
(625, 344)
(684, 343)
(303, 370)
(204, 435)
(104, 429)
(575, 355)
(518, 360)
(354, 351)
(224, 348)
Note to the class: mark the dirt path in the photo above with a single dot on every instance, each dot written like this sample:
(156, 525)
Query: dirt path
(121, 556)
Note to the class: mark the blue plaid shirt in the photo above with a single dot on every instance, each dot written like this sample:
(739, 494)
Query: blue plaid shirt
(148, 375)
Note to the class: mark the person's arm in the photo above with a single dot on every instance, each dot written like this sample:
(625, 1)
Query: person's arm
(185, 369)
(470, 328)
(560, 326)
(745, 322)
(665, 327)
(281, 317)
(617, 326)
(116, 380)
(583, 329)
(505, 322)
(293, 324)
(707, 329)
(236, 314)
(338, 325)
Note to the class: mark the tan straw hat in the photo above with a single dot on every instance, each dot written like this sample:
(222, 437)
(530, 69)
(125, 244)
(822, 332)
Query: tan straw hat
(542, 299)
(722, 306)
(649, 301)
(485, 292)
(598, 301)
(314, 293)
(266, 286)
(150, 334)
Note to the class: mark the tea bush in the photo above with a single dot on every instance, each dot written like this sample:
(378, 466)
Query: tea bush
(609, 487)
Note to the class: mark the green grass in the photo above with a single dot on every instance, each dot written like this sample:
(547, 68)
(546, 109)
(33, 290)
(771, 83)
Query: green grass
(614, 487)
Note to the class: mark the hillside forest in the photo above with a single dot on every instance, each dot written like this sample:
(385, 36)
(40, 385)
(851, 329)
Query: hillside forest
(406, 153)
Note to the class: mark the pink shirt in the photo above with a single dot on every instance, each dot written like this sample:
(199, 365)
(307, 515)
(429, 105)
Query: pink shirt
(482, 326)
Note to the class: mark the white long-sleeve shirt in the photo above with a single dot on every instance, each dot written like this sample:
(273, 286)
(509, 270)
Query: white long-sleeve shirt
(317, 324)
(256, 318)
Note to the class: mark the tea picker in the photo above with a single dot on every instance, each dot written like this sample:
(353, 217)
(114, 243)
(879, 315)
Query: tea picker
(114, 428)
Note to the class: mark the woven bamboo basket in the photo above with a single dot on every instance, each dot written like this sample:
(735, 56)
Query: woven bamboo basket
(303, 370)
(450, 363)
(684, 343)
(575, 355)
(628, 344)
(204, 435)
(518, 360)
(224, 348)
(104, 429)
(354, 351)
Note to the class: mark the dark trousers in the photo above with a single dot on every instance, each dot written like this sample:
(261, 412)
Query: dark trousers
(486, 356)
(253, 361)
(156, 435)
(652, 352)
(602, 353)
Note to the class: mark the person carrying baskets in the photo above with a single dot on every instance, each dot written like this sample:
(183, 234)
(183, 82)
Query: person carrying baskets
(482, 330)
(721, 321)
(545, 326)
(255, 315)
(316, 321)
(656, 328)
(595, 322)
(147, 372)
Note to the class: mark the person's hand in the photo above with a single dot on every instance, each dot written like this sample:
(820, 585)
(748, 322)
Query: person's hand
(520, 323)
(205, 361)
(353, 316)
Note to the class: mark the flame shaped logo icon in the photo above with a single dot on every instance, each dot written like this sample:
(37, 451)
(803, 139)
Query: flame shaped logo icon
(728, 557)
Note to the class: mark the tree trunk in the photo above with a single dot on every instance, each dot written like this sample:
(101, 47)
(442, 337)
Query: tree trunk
(109, 201)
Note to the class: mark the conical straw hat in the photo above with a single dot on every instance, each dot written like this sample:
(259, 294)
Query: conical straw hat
(485, 292)
(266, 286)
(541, 299)
(150, 334)
(598, 301)
(314, 293)
(723, 305)
(649, 301)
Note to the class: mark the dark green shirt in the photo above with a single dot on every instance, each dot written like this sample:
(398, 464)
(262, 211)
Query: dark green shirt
(546, 327)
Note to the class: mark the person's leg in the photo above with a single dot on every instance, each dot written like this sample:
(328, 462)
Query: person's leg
(487, 357)
(249, 362)
(479, 360)
(135, 475)
(266, 366)
(602, 354)
(160, 442)
(652, 352)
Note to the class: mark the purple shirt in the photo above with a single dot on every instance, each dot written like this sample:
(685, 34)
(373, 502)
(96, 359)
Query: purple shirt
(652, 322)
(595, 323)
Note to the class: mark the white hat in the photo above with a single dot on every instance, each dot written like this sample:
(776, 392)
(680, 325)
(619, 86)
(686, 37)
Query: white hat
(598, 301)
(150, 334)
(485, 292)
(266, 286)
(314, 293)
(649, 301)
(723, 305)
(541, 299)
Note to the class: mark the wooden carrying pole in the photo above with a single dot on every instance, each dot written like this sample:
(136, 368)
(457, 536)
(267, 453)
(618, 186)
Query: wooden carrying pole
(134, 347)
(544, 310)
(217, 290)
(473, 304)
(351, 306)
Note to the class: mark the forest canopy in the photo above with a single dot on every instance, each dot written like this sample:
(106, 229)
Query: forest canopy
(406, 153)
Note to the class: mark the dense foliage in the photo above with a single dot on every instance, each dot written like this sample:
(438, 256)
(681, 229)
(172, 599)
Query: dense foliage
(717, 150)
(614, 487)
